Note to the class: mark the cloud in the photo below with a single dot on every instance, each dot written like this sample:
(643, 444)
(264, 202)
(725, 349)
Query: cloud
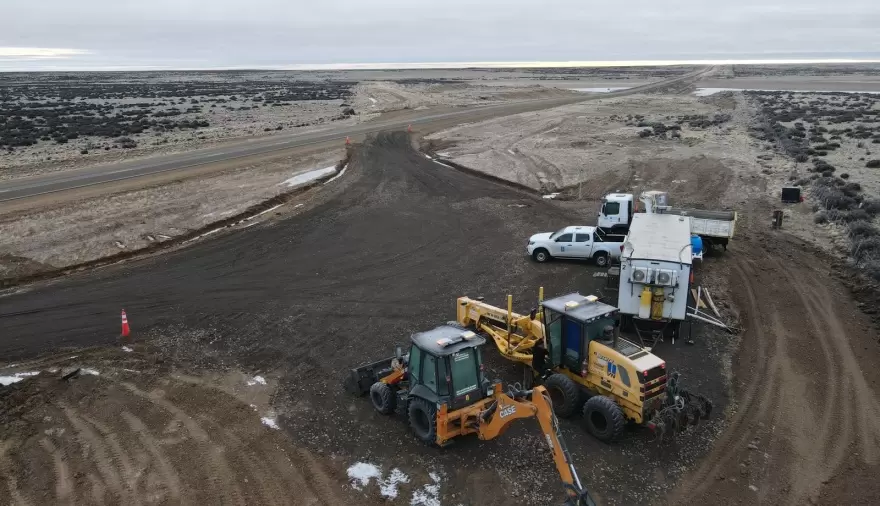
(39, 53)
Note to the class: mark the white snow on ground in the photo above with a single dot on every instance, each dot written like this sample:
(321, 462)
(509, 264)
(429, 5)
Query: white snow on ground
(127, 349)
(361, 473)
(337, 176)
(15, 378)
(308, 177)
(374, 101)
(551, 196)
(269, 422)
(258, 380)
(599, 90)
(86, 370)
(428, 495)
(388, 486)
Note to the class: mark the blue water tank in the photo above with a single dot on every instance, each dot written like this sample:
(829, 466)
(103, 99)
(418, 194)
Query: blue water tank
(696, 245)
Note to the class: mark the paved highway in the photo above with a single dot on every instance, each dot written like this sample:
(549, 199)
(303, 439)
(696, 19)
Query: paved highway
(178, 165)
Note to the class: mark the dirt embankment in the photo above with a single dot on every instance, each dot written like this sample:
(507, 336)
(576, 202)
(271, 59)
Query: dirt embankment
(99, 231)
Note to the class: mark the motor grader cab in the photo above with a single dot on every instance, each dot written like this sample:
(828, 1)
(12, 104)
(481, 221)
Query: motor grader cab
(573, 346)
(440, 387)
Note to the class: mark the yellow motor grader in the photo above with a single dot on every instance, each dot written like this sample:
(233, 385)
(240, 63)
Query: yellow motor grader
(441, 387)
(572, 345)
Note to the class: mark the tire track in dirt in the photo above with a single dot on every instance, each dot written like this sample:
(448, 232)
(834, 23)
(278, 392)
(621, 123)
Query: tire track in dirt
(751, 402)
(63, 483)
(120, 457)
(804, 398)
(159, 459)
(222, 480)
(93, 444)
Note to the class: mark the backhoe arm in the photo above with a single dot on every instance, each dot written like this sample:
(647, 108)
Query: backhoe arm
(536, 403)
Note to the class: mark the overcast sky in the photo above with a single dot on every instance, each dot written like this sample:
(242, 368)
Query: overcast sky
(41, 34)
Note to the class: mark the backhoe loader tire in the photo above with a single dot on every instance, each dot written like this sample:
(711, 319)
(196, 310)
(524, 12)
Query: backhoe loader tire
(541, 255)
(564, 393)
(604, 418)
(423, 420)
(383, 398)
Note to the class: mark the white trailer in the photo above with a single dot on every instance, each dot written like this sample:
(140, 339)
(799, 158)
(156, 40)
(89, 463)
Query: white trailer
(655, 269)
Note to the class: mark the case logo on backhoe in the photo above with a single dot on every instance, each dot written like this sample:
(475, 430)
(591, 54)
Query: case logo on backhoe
(507, 411)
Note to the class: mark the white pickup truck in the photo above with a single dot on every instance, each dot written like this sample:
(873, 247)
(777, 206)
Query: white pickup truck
(576, 242)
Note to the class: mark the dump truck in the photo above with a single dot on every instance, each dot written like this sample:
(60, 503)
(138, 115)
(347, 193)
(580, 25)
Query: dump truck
(571, 345)
(440, 386)
(715, 228)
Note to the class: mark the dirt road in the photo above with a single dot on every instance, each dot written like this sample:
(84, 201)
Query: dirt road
(806, 423)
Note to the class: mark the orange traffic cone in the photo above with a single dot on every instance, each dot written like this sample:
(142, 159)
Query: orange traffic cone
(348, 141)
(125, 330)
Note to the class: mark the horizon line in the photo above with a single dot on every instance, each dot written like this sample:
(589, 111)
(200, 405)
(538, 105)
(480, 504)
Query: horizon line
(450, 65)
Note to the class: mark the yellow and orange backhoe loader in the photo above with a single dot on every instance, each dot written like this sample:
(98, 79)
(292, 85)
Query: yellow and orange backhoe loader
(440, 386)
(572, 344)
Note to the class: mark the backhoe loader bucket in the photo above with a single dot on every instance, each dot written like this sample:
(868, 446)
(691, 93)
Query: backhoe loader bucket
(360, 379)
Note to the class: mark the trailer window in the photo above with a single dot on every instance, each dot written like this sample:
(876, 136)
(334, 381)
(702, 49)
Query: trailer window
(464, 372)
(611, 208)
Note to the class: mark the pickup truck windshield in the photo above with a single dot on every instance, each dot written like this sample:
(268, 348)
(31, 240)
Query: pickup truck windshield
(557, 233)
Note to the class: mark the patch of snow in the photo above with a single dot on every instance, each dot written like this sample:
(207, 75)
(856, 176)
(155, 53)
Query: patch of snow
(428, 157)
(15, 378)
(264, 212)
(127, 349)
(361, 473)
(511, 152)
(443, 164)
(374, 101)
(93, 372)
(298, 205)
(679, 181)
(269, 422)
(599, 90)
(334, 178)
(131, 370)
(428, 495)
(258, 380)
(308, 177)
(551, 195)
(388, 486)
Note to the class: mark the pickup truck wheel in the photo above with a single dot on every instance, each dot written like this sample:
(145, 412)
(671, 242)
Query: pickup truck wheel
(601, 259)
(541, 255)
(383, 398)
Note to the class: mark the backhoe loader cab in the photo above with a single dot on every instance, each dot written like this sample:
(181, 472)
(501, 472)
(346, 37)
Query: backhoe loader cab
(445, 366)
